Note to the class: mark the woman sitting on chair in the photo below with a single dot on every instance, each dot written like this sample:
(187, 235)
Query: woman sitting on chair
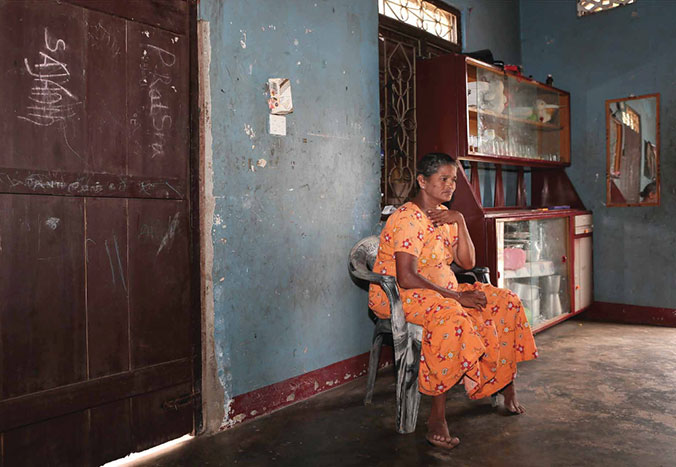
(475, 333)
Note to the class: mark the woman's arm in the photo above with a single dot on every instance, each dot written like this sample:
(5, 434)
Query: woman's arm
(463, 251)
(408, 278)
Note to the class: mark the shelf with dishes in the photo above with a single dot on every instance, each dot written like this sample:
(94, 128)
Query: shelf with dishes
(509, 151)
(504, 135)
(534, 123)
(514, 119)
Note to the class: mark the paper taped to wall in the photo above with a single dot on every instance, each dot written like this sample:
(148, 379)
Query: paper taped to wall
(278, 125)
(280, 102)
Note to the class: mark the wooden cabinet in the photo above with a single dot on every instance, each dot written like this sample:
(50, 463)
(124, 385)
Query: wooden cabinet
(512, 135)
(543, 256)
(583, 261)
(481, 113)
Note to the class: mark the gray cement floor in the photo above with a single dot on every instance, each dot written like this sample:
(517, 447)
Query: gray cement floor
(600, 394)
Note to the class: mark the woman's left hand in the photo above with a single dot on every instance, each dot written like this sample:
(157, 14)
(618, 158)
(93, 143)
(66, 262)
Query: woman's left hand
(472, 299)
(445, 216)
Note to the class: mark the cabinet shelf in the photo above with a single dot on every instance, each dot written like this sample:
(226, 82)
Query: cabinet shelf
(510, 160)
(512, 119)
(536, 269)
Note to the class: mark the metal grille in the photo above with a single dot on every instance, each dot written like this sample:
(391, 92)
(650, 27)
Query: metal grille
(422, 15)
(587, 7)
(397, 118)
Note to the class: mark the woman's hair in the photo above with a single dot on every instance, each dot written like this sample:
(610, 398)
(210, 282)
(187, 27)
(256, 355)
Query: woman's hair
(430, 163)
(428, 166)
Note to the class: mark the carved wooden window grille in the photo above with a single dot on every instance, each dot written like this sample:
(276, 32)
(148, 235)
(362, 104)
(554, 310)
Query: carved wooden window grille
(587, 7)
(422, 15)
(400, 44)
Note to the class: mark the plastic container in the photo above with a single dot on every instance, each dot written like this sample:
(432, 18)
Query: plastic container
(525, 291)
(550, 284)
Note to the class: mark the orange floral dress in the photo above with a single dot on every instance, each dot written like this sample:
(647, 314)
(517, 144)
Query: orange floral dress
(484, 344)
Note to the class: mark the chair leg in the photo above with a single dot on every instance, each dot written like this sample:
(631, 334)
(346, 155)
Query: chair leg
(374, 359)
(408, 396)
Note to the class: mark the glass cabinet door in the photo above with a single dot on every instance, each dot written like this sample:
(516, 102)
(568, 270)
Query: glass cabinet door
(533, 263)
(510, 116)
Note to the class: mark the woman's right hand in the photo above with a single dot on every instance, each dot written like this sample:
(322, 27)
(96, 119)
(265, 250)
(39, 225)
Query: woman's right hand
(472, 299)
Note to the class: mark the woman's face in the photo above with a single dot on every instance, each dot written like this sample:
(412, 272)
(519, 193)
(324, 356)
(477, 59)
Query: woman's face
(441, 185)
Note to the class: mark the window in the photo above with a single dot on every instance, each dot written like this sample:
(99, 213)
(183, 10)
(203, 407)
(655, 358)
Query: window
(422, 15)
(587, 7)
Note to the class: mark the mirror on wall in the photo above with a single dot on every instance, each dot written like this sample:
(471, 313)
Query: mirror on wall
(633, 151)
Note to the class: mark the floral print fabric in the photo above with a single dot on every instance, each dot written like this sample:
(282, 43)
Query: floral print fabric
(484, 344)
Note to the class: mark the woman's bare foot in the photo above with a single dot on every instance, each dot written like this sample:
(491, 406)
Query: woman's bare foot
(437, 429)
(439, 436)
(511, 403)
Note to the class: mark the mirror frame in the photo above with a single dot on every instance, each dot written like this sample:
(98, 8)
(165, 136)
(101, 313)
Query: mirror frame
(609, 159)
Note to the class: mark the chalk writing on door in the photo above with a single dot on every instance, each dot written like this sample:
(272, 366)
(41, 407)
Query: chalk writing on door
(156, 64)
(50, 101)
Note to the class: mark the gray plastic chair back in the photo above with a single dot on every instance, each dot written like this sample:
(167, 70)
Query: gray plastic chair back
(406, 337)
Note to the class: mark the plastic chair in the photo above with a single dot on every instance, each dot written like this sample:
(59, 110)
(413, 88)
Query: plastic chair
(406, 337)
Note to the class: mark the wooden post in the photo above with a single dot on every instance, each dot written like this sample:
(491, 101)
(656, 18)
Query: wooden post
(474, 179)
(521, 197)
(499, 200)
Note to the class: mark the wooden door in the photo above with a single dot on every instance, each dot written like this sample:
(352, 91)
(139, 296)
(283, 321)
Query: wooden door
(97, 311)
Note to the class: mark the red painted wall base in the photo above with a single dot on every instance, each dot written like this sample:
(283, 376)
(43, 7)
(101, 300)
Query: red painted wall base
(630, 314)
(262, 401)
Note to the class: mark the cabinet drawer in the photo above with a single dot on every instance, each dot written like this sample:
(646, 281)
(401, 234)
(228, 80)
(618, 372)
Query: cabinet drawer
(583, 224)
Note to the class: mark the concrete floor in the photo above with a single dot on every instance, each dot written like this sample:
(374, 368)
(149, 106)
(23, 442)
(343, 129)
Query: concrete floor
(600, 394)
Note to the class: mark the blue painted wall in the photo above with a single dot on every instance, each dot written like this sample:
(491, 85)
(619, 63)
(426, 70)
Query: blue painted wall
(614, 54)
(284, 304)
(491, 24)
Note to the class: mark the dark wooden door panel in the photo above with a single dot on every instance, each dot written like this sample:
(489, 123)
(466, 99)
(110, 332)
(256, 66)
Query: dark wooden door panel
(94, 437)
(107, 285)
(42, 311)
(92, 93)
(54, 442)
(109, 432)
(155, 423)
(159, 270)
(95, 244)
(106, 93)
(43, 88)
(171, 15)
(158, 102)
(57, 402)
